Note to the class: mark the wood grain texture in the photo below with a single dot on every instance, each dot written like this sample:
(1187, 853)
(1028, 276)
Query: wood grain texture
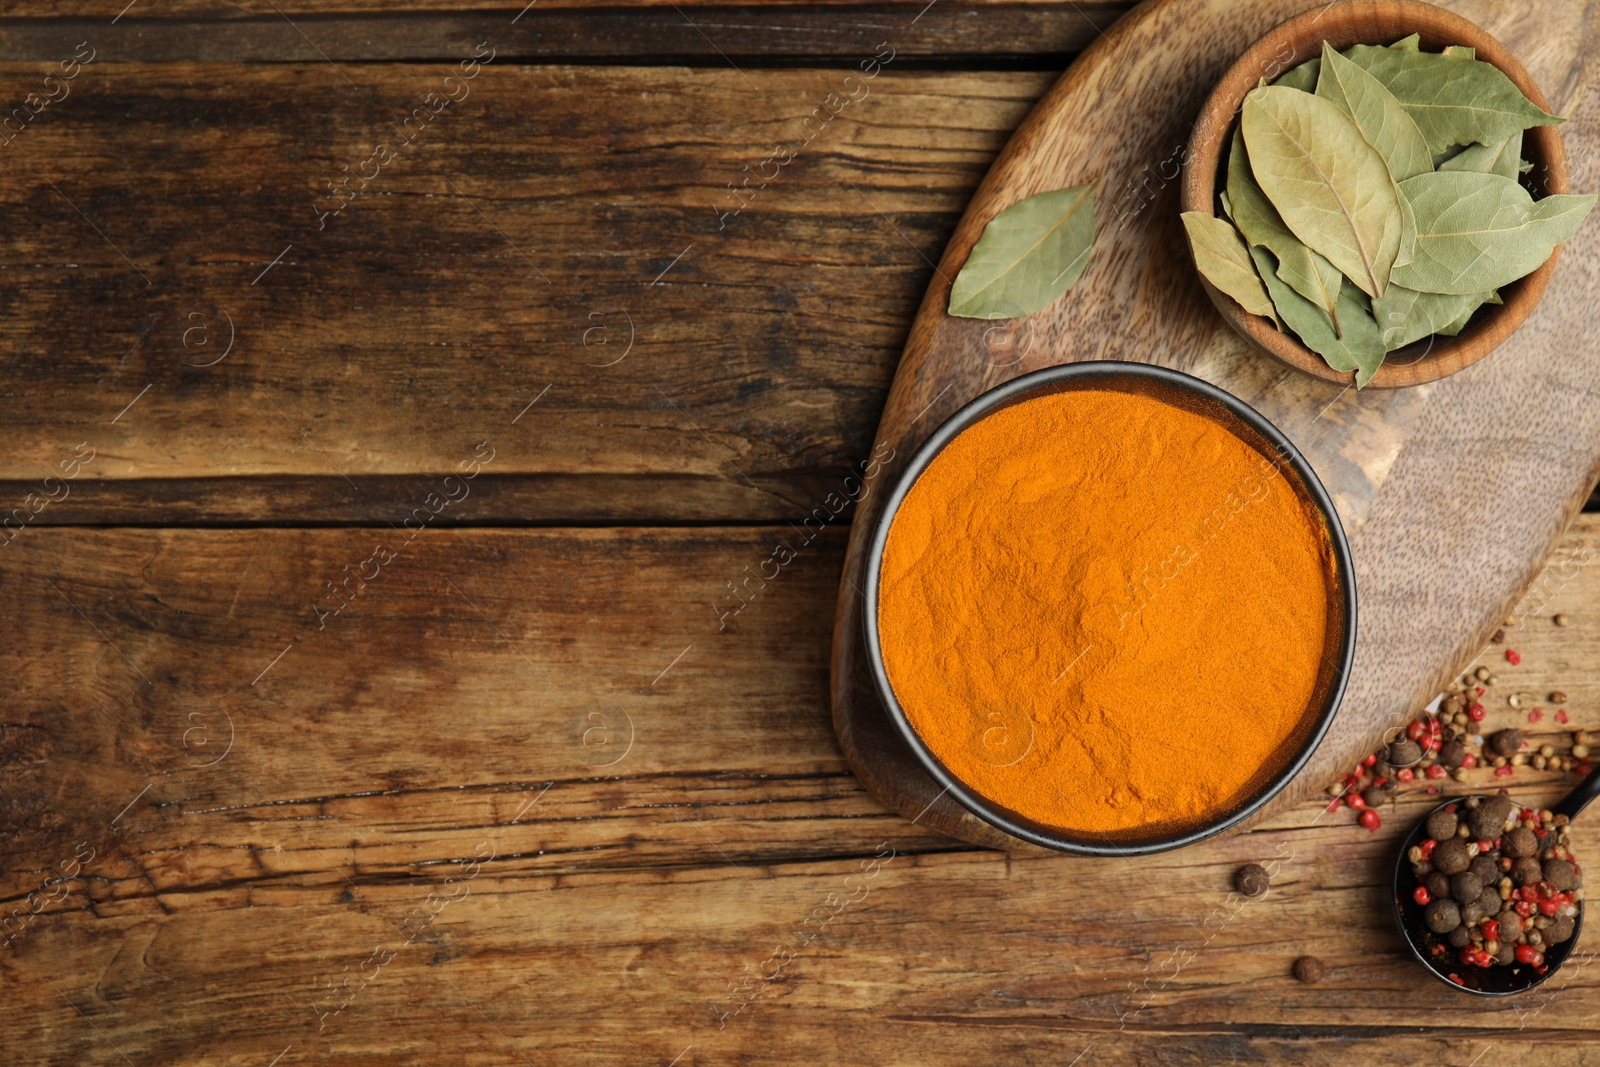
(1517, 435)
(267, 904)
(712, 34)
(519, 244)
(305, 10)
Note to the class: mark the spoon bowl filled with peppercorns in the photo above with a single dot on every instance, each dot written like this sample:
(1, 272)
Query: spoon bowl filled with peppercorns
(1488, 894)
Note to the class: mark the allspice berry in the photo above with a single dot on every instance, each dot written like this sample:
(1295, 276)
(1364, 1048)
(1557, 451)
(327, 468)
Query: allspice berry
(1458, 937)
(1438, 884)
(1510, 925)
(1310, 970)
(1488, 819)
(1521, 842)
(1404, 753)
(1452, 754)
(1559, 930)
(1489, 900)
(1559, 873)
(1442, 825)
(1251, 880)
(1442, 916)
(1466, 887)
(1452, 856)
(1526, 871)
(1505, 742)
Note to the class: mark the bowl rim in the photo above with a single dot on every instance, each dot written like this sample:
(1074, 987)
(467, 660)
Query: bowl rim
(1442, 356)
(1026, 387)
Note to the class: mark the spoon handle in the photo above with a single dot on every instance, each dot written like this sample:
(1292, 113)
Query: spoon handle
(1579, 798)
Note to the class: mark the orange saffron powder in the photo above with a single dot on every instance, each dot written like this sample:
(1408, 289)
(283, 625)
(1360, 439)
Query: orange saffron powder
(1106, 613)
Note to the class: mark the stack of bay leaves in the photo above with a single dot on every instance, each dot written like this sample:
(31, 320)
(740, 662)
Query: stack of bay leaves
(1375, 200)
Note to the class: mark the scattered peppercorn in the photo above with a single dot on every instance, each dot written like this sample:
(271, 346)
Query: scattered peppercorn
(1252, 880)
(1505, 742)
(1560, 619)
(1405, 753)
(1310, 970)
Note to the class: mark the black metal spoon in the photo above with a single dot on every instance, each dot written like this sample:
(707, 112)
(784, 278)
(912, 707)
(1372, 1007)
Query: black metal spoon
(1496, 981)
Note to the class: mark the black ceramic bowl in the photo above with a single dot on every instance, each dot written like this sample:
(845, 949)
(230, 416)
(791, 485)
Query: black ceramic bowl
(1194, 395)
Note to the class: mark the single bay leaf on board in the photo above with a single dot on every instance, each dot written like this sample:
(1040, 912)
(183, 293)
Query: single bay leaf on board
(1027, 256)
(1331, 188)
(1405, 315)
(1303, 77)
(1504, 159)
(1306, 272)
(1477, 232)
(1221, 255)
(1382, 121)
(1360, 349)
(1454, 100)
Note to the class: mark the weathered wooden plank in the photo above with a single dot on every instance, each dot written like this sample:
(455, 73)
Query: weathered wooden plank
(749, 34)
(308, 12)
(626, 907)
(510, 253)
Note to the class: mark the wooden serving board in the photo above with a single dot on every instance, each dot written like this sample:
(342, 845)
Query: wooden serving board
(1451, 493)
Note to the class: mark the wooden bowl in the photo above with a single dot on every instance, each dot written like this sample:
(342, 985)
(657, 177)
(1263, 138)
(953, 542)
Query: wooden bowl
(1343, 24)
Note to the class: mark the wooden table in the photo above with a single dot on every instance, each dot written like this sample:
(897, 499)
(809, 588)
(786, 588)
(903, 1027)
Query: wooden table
(376, 693)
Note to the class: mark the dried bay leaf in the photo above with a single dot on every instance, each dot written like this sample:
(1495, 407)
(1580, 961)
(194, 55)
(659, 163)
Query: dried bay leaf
(1460, 51)
(1387, 127)
(1453, 328)
(1221, 255)
(1406, 315)
(1360, 349)
(1383, 122)
(1331, 188)
(1408, 235)
(1454, 100)
(1306, 272)
(1027, 256)
(1504, 159)
(1477, 232)
(1303, 77)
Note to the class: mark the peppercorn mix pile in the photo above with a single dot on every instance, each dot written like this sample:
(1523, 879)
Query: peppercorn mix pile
(1497, 885)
